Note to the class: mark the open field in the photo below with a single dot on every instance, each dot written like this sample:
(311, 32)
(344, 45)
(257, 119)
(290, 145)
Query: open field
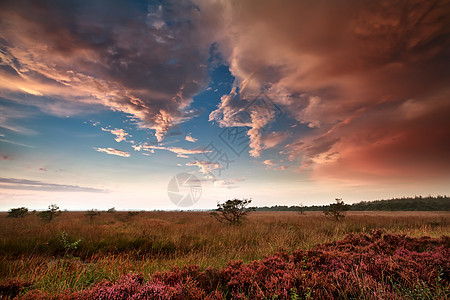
(40, 255)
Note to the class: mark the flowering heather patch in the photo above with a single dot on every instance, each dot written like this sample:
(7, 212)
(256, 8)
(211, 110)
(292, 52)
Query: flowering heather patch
(369, 266)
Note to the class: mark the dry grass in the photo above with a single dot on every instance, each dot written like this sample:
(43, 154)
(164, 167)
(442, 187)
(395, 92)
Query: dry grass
(116, 244)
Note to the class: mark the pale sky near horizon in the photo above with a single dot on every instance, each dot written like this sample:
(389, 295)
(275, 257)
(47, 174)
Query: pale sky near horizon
(105, 103)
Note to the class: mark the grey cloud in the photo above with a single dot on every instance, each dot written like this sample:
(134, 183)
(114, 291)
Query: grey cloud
(25, 184)
(147, 61)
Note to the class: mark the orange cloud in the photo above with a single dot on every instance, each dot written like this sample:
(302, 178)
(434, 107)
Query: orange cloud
(368, 81)
(82, 59)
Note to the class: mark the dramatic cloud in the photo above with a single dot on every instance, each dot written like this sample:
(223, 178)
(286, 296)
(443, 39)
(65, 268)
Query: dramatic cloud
(250, 110)
(24, 184)
(342, 90)
(145, 60)
(113, 151)
(367, 80)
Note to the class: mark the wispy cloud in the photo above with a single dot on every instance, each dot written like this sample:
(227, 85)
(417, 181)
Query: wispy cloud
(25, 184)
(206, 167)
(271, 164)
(11, 117)
(180, 152)
(273, 139)
(282, 168)
(227, 183)
(16, 143)
(113, 151)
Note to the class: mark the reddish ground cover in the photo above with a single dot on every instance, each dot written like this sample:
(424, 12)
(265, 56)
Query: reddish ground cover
(370, 266)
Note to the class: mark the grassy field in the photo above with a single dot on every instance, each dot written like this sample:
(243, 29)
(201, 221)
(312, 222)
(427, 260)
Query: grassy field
(74, 252)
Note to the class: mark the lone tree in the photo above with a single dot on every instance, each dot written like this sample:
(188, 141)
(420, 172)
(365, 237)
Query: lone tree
(232, 211)
(301, 209)
(92, 214)
(336, 210)
(19, 212)
(49, 214)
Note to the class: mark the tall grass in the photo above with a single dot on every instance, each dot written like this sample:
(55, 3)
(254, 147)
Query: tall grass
(116, 244)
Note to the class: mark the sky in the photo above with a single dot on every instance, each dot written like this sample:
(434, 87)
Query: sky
(183, 104)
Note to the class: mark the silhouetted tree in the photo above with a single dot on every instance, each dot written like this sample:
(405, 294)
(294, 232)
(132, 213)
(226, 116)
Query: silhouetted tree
(49, 214)
(301, 209)
(336, 210)
(232, 211)
(19, 212)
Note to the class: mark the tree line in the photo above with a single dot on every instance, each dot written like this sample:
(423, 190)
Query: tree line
(417, 203)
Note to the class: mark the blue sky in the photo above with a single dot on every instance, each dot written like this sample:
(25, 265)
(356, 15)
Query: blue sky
(103, 104)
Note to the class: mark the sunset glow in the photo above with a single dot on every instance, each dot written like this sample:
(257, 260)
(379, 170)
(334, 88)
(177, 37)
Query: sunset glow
(102, 103)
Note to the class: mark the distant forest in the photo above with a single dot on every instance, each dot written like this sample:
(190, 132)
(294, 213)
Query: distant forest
(418, 203)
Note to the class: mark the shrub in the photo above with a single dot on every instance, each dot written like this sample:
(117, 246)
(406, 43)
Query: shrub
(66, 244)
(232, 211)
(17, 212)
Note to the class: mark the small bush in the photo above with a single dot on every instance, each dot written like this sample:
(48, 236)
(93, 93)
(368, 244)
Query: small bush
(17, 212)
(66, 244)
